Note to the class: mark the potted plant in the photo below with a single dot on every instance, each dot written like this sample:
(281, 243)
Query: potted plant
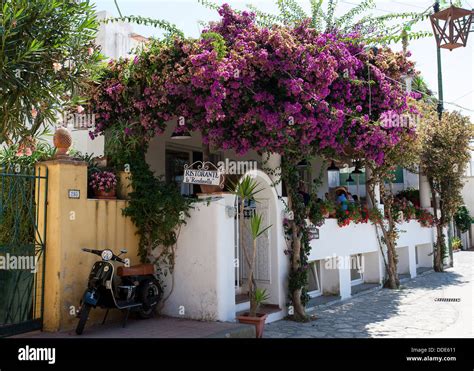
(246, 191)
(456, 243)
(258, 320)
(104, 184)
(256, 295)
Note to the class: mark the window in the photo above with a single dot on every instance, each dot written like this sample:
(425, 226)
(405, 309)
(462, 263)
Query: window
(356, 269)
(176, 158)
(314, 279)
(175, 161)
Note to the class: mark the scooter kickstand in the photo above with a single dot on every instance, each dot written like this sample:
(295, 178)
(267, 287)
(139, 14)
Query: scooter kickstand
(105, 317)
(126, 318)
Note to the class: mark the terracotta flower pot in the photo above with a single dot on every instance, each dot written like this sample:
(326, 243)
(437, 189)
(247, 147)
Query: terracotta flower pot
(205, 188)
(102, 195)
(258, 321)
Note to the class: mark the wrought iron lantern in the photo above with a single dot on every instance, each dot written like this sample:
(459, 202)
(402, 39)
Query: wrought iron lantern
(451, 26)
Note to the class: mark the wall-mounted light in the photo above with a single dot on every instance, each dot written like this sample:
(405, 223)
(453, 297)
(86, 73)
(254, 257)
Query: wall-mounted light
(333, 175)
(179, 135)
(303, 164)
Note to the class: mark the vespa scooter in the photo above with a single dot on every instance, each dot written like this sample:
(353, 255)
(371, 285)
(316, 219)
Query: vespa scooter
(134, 288)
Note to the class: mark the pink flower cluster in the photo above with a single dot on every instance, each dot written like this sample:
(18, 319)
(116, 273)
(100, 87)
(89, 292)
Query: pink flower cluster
(104, 181)
(277, 89)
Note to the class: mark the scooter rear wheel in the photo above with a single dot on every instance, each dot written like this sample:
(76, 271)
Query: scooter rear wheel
(83, 318)
(151, 292)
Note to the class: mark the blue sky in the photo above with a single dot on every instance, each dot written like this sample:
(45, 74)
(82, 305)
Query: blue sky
(457, 66)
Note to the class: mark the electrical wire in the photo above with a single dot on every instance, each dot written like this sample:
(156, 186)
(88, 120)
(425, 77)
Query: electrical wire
(465, 95)
(427, 95)
(413, 6)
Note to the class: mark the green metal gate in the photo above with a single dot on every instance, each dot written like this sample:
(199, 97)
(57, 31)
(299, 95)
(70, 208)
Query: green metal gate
(23, 199)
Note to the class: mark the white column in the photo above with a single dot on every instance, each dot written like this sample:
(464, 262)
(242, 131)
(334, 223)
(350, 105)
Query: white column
(412, 260)
(425, 192)
(344, 277)
(273, 161)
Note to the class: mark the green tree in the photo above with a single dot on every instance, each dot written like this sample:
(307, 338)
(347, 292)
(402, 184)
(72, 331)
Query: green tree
(403, 154)
(46, 57)
(444, 154)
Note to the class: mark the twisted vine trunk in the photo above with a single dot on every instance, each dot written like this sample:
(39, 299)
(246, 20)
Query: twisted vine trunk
(298, 275)
(299, 311)
(440, 244)
(389, 237)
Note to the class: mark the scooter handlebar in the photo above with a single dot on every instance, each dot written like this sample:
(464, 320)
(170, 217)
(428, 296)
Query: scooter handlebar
(97, 252)
(120, 260)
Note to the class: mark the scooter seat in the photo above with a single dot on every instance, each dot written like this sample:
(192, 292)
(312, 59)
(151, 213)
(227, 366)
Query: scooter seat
(136, 270)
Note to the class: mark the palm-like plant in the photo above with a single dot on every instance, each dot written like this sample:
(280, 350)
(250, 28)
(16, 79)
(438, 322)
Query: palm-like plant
(256, 296)
(372, 29)
(246, 190)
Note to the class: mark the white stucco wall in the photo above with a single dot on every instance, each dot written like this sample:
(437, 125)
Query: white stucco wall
(114, 38)
(468, 197)
(156, 154)
(204, 267)
(341, 242)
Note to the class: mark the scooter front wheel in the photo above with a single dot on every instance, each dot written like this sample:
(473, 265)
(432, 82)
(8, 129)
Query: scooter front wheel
(83, 318)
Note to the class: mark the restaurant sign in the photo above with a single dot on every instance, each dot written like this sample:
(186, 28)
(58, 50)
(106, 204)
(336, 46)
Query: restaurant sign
(203, 173)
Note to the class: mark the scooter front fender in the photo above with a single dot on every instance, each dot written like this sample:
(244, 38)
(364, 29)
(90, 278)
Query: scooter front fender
(91, 297)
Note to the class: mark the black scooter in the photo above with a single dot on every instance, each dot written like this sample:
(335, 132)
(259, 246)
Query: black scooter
(136, 288)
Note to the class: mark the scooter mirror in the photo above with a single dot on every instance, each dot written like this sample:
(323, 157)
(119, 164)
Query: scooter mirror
(124, 251)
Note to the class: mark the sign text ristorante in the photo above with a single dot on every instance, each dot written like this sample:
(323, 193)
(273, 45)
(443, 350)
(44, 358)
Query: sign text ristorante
(209, 177)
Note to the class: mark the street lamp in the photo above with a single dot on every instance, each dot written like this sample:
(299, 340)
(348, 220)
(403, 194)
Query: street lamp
(451, 28)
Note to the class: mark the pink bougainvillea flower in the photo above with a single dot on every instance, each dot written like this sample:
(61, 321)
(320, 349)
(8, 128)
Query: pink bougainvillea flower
(57, 66)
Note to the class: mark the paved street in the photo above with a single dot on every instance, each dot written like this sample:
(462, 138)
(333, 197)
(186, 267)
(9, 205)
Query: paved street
(159, 327)
(412, 311)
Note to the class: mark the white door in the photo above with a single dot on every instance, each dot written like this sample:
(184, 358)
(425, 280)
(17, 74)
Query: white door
(262, 261)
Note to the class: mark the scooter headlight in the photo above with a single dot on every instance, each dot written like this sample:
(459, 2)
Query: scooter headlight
(107, 255)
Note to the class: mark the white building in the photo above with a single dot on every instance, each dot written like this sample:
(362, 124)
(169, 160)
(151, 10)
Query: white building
(115, 39)
(468, 197)
(209, 266)
(210, 273)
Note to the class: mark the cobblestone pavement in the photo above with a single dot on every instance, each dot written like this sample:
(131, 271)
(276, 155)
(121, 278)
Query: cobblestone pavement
(413, 311)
